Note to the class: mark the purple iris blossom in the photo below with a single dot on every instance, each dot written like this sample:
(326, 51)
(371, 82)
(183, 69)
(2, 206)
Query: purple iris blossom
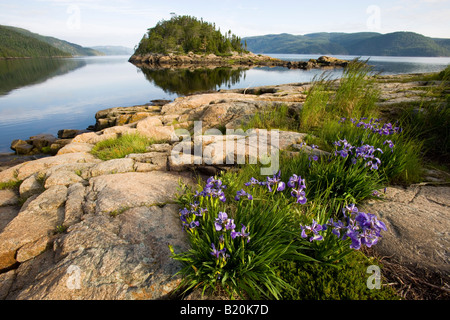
(242, 233)
(234, 234)
(301, 199)
(390, 144)
(242, 193)
(200, 212)
(220, 220)
(252, 182)
(313, 157)
(184, 212)
(350, 208)
(230, 224)
(298, 184)
(275, 181)
(194, 224)
(299, 194)
(337, 227)
(213, 188)
(362, 228)
(293, 181)
(313, 146)
(281, 186)
(217, 253)
(195, 205)
(314, 228)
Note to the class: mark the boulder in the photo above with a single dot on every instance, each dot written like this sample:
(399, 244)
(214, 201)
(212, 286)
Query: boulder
(41, 140)
(112, 167)
(75, 147)
(16, 143)
(7, 214)
(31, 186)
(8, 198)
(125, 258)
(69, 133)
(418, 224)
(22, 147)
(152, 127)
(32, 226)
(62, 178)
(74, 204)
(23, 171)
(115, 193)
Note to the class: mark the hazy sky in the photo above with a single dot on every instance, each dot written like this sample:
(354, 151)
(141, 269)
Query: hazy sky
(123, 22)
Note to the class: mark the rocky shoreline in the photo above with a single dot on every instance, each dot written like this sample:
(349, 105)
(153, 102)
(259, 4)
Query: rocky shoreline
(77, 227)
(191, 60)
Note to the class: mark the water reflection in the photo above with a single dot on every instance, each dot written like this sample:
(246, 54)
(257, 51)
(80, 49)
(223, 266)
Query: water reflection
(188, 81)
(19, 73)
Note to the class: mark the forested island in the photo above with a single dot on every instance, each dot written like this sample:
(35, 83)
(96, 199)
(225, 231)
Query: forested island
(186, 41)
(184, 34)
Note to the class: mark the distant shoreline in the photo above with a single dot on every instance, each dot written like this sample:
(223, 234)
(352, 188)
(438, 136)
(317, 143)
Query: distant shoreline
(162, 61)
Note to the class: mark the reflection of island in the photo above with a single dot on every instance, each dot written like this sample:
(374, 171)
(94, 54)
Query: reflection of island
(187, 81)
(17, 73)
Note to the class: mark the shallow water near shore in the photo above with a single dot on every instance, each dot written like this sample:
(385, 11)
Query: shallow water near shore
(47, 95)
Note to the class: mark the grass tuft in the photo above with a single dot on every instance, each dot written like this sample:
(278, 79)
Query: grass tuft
(121, 146)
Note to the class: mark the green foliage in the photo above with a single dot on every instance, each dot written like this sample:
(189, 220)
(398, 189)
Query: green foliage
(347, 281)
(361, 43)
(13, 184)
(15, 44)
(184, 34)
(120, 147)
(61, 229)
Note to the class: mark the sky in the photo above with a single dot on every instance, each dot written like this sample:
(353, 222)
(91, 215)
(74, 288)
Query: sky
(124, 22)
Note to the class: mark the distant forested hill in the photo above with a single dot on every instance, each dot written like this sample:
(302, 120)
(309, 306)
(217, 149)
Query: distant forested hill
(113, 50)
(183, 34)
(23, 43)
(362, 43)
(18, 45)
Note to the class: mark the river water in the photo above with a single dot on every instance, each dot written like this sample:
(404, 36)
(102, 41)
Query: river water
(46, 95)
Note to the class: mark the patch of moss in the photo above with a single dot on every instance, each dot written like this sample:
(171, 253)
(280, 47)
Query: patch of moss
(312, 281)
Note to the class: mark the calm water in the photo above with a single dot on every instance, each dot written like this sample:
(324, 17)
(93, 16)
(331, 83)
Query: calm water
(46, 95)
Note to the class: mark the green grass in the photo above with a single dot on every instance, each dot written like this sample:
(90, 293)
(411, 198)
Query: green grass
(13, 184)
(120, 147)
(354, 95)
(274, 117)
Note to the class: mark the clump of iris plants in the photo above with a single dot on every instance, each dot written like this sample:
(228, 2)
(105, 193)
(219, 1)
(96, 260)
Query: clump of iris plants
(238, 237)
